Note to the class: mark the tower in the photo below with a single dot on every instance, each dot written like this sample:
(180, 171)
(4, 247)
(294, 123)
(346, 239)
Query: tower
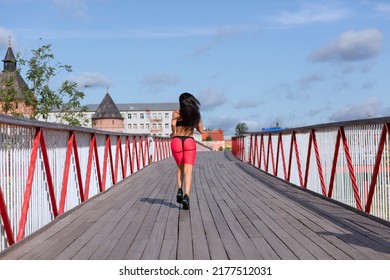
(15, 96)
(107, 116)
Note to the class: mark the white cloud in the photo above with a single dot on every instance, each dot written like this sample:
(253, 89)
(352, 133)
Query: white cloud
(311, 14)
(351, 46)
(370, 108)
(358, 67)
(221, 34)
(246, 104)
(160, 79)
(382, 8)
(5, 34)
(226, 123)
(310, 79)
(210, 99)
(368, 85)
(90, 79)
(77, 9)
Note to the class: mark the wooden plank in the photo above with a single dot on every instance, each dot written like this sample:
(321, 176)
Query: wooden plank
(184, 247)
(154, 246)
(230, 244)
(305, 201)
(200, 248)
(87, 244)
(237, 212)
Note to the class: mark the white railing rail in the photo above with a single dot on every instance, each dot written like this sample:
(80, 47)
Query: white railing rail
(47, 169)
(347, 161)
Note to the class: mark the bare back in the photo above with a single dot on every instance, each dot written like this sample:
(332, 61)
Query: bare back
(183, 130)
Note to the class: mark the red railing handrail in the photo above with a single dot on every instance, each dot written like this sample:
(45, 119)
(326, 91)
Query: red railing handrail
(136, 148)
(257, 149)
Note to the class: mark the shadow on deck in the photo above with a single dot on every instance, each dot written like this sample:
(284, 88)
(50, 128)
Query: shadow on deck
(237, 212)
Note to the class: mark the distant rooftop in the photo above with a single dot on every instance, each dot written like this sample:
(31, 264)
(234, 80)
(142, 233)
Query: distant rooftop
(107, 109)
(169, 106)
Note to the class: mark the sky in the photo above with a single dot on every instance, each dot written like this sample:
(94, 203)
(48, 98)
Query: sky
(294, 63)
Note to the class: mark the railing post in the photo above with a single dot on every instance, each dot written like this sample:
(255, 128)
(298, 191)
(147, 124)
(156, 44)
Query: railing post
(368, 174)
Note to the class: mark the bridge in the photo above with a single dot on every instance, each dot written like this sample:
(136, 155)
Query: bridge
(76, 193)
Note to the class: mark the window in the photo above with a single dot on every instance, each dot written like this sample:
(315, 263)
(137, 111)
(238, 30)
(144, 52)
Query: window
(129, 116)
(166, 126)
(159, 126)
(167, 115)
(142, 126)
(147, 116)
(147, 126)
(135, 126)
(134, 115)
(154, 116)
(159, 115)
(129, 126)
(141, 116)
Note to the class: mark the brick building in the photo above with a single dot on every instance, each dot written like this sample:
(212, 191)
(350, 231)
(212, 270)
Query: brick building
(213, 135)
(214, 139)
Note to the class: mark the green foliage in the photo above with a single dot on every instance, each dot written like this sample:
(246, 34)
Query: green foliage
(10, 98)
(7, 96)
(208, 138)
(241, 128)
(66, 100)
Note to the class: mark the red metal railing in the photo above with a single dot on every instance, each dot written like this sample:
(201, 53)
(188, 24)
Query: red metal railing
(347, 161)
(47, 169)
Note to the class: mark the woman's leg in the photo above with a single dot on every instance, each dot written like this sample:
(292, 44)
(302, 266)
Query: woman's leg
(189, 147)
(187, 178)
(180, 180)
(177, 152)
(180, 175)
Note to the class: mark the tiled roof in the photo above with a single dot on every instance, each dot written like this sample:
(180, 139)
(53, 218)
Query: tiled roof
(107, 109)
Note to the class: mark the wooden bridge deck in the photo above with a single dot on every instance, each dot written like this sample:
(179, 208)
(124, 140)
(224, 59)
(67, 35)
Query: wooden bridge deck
(237, 212)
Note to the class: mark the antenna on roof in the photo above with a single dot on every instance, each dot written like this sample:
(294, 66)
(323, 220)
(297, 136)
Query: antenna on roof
(107, 90)
(9, 41)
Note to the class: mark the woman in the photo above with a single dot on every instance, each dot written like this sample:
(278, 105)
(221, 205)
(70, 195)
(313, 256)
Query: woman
(183, 144)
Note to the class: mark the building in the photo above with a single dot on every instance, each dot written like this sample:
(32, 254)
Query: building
(213, 135)
(214, 139)
(15, 96)
(138, 118)
(107, 116)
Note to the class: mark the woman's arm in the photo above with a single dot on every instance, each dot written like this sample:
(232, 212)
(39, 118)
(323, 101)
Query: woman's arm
(199, 127)
(175, 116)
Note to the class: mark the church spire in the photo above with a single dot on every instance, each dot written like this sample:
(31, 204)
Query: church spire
(9, 59)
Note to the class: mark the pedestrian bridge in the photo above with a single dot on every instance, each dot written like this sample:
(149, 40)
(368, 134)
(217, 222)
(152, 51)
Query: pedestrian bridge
(237, 211)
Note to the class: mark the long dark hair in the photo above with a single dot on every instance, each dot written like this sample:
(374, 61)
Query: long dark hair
(189, 109)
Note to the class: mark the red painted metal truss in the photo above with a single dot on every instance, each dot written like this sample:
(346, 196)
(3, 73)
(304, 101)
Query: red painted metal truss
(265, 155)
(136, 154)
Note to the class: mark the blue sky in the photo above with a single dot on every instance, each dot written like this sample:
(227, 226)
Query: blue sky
(260, 62)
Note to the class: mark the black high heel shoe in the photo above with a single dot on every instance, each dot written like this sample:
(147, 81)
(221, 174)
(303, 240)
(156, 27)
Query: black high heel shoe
(179, 196)
(186, 202)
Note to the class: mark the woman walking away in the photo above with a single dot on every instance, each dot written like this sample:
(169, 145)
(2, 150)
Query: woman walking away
(183, 144)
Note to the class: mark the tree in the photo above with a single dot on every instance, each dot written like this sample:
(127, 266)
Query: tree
(241, 128)
(209, 138)
(7, 96)
(66, 100)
